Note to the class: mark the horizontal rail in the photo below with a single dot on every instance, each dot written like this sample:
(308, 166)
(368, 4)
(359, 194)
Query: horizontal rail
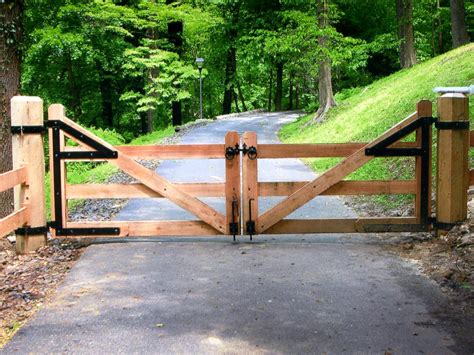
(182, 151)
(150, 228)
(346, 225)
(12, 178)
(216, 151)
(376, 187)
(96, 191)
(318, 150)
(292, 226)
(13, 221)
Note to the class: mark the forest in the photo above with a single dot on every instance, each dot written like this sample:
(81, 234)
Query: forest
(130, 65)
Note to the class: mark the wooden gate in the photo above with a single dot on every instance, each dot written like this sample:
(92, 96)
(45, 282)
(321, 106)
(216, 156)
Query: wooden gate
(150, 184)
(241, 189)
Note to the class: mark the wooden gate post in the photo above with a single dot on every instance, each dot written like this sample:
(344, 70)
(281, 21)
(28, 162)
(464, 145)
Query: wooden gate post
(28, 150)
(452, 162)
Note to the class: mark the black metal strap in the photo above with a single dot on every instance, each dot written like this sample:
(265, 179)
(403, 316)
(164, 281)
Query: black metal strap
(455, 125)
(28, 129)
(65, 232)
(27, 230)
(443, 225)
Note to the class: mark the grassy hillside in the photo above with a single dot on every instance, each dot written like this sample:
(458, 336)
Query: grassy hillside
(364, 113)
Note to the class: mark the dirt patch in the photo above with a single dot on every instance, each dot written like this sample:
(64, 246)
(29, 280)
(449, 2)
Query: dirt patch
(28, 281)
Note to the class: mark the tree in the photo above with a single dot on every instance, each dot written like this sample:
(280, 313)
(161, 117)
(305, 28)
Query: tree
(405, 33)
(458, 23)
(10, 37)
(325, 92)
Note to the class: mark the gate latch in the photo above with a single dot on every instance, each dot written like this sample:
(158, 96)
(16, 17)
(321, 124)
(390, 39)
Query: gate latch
(234, 226)
(231, 152)
(250, 223)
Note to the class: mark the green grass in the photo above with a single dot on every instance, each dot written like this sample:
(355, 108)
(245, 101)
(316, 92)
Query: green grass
(89, 173)
(363, 114)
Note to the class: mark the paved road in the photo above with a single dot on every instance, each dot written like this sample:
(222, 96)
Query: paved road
(290, 294)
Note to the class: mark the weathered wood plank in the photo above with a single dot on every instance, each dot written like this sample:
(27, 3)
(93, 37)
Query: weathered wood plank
(150, 228)
(332, 225)
(317, 150)
(27, 149)
(374, 187)
(12, 178)
(250, 182)
(324, 181)
(232, 183)
(424, 108)
(181, 151)
(453, 170)
(14, 220)
(97, 191)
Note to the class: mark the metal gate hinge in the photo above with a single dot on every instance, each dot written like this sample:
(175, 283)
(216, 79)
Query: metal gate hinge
(28, 129)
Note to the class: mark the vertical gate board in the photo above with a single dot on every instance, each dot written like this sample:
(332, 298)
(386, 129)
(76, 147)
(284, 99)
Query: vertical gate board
(171, 192)
(424, 108)
(232, 183)
(324, 181)
(250, 181)
(57, 112)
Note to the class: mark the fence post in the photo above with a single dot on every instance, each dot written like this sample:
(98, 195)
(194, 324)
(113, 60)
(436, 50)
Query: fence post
(28, 150)
(452, 162)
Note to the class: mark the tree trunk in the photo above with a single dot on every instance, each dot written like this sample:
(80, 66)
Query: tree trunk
(230, 70)
(405, 33)
(325, 93)
(241, 95)
(10, 40)
(297, 96)
(279, 86)
(74, 89)
(458, 23)
(270, 89)
(106, 91)
(290, 94)
(231, 61)
(175, 36)
(236, 102)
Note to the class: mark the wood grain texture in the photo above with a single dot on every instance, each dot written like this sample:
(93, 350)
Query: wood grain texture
(453, 171)
(424, 108)
(150, 228)
(318, 150)
(250, 182)
(232, 183)
(332, 225)
(14, 177)
(98, 191)
(14, 220)
(28, 150)
(375, 187)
